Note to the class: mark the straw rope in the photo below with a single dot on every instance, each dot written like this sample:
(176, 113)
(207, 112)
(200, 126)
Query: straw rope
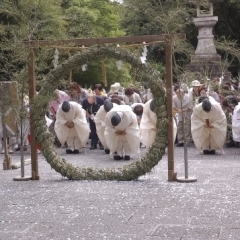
(128, 172)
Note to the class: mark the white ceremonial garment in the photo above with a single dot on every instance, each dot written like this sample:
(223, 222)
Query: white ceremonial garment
(148, 122)
(130, 142)
(236, 123)
(209, 138)
(48, 121)
(81, 128)
(211, 99)
(99, 120)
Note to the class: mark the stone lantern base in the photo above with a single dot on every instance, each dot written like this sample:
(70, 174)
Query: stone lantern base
(209, 68)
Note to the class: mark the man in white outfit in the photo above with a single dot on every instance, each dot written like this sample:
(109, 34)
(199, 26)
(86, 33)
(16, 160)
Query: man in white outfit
(148, 124)
(234, 106)
(208, 126)
(100, 117)
(71, 126)
(122, 133)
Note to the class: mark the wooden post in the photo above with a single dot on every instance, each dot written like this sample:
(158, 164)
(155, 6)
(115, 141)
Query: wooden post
(32, 94)
(104, 74)
(70, 72)
(7, 162)
(169, 84)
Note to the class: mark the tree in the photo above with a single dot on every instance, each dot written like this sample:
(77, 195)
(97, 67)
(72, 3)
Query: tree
(94, 18)
(167, 16)
(161, 17)
(26, 20)
(91, 18)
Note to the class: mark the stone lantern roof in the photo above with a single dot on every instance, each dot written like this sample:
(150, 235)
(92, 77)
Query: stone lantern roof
(205, 7)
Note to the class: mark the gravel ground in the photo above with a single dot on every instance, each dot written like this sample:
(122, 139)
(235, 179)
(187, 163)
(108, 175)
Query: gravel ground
(150, 208)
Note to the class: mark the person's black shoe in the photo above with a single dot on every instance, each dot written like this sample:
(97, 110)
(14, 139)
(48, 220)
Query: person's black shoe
(93, 147)
(107, 151)
(127, 157)
(230, 144)
(101, 147)
(180, 144)
(117, 157)
(76, 151)
(69, 151)
(206, 152)
(237, 144)
(212, 152)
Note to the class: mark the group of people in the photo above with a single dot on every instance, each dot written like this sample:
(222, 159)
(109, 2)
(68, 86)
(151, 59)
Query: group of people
(122, 121)
(208, 115)
(111, 121)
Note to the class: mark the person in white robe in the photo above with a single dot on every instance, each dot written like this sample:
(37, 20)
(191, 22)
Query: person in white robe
(71, 126)
(148, 125)
(122, 132)
(99, 120)
(236, 125)
(208, 126)
(233, 106)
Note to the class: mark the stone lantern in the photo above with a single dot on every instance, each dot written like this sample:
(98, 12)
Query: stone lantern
(206, 58)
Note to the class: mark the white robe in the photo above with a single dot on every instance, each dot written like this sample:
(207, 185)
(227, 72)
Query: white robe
(48, 121)
(236, 123)
(129, 142)
(149, 121)
(99, 120)
(209, 138)
(81, 128)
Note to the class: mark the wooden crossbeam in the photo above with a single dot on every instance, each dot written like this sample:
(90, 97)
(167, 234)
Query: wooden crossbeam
(99, 41)
(166, 38)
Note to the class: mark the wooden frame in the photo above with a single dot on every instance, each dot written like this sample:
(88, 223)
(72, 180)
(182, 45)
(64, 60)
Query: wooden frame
(167, 39)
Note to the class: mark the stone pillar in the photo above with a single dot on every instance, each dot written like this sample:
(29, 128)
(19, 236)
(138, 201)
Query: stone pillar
(206, 61)
(206, 48)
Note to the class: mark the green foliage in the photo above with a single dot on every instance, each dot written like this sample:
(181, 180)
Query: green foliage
(26, 20)
(94, 74)
(41, 19)
(94, 18)
(91, 18)
(161, 17)
(56, 19)
(168, 16)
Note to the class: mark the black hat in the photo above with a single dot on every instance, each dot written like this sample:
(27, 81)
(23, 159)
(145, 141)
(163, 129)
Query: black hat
(206, 105)
(116, 118)
(108, 105)
(66, 106)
